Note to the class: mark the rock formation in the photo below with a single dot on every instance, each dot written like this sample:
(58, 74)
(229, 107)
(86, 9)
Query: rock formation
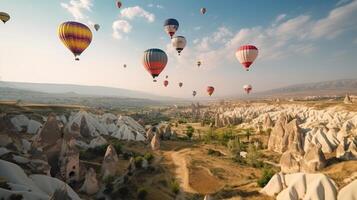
(348, 192)
(314, 159)
(49, 134)
(90, 185)
(268, 123)
(286, 135)
(347, 99)
(155, 143)
(301, 186)
(110, 162)
(69, 161)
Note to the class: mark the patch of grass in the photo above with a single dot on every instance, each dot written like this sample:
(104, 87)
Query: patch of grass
(149, 157)
(175, 187)
(268, 173)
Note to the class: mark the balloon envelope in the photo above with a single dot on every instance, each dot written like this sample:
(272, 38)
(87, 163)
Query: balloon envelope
(154, 61)
(171, 26)
(194, 93)
(246, 55)
(210, 90)
(96, 27)
(199, 63)
(247, 88)
(180, 84)
(166, 83)
(179, 43)
(203, 11)
(119, 4)
(4, 17)
(75, 36)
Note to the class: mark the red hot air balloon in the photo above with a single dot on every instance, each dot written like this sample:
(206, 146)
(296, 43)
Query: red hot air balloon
(247, 88)
(119, 4)
(180, 84)
(246, 55)
(166, 83)
(210, 90)
(154, 61)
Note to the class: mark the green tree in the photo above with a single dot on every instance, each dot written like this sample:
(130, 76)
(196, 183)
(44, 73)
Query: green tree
(189, 131)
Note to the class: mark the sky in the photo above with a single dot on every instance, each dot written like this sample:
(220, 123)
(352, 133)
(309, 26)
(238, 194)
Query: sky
(299, 41)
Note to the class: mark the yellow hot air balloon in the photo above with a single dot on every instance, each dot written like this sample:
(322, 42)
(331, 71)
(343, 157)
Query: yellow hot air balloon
(4, 17)
(75, 36)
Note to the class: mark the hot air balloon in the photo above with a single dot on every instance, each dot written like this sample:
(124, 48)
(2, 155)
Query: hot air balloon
(4, 17)
(179, 42)
(246, 55)
(124, 65)
(247, 88)
(199, 63)
(210, 90)
(180, 84)
(203, 11)
(75, 36)
(154, 61)
(119, 4)
(166, 76)
(166, 83)
(96, 27)
(194, 93)
(171, 26)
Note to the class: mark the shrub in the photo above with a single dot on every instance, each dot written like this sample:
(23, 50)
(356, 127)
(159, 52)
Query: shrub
(266, 176)
(253, 156)
(138, 161)
(175, 186)
(142, 193)
(92, 153)
(149, 157)
(189, 132)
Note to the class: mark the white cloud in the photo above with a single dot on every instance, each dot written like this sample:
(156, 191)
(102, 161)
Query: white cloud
(197, 28)
(137, 11)
(78, 7)
(342, 2)
(157, 6)
(120, 27)
(280, 17)
(283, 39)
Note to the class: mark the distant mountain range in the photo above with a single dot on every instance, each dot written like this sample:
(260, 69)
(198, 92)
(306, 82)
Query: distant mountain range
(70, 89)
(335, 87)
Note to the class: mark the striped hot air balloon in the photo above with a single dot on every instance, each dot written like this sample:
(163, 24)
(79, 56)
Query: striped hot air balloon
(4, 17)
(171, 26)
(179, 43)
(154, 61)
(166, 83)
(247, 88)
(210, 90)
(246, 55)
(75, 36)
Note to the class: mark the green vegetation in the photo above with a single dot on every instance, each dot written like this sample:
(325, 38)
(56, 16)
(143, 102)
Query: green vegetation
(268, 173)
(92, 153)
(175, 186)
(253, 156)
(149, 157)
(189, 131)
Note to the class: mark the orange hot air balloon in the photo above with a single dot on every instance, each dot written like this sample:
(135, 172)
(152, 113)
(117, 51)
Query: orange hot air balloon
(180, 84)
(246, 55)
(166, 83)
(75, 36)
(210, 90)
(154, 61)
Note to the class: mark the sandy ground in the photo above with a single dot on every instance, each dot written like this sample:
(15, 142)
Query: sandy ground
(200, 173)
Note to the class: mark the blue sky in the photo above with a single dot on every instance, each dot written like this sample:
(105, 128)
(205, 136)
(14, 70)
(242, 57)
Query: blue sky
(299, 41)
